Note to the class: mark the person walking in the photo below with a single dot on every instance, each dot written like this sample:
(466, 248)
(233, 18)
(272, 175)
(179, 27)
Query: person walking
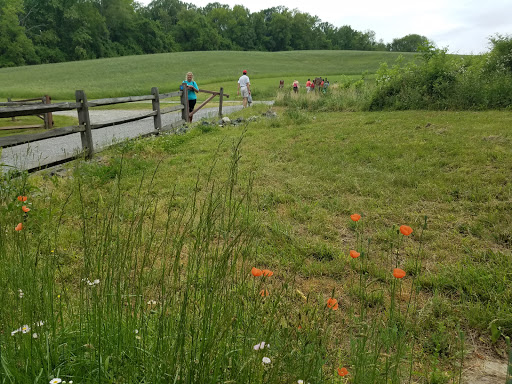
(295, 86)
(192, 89)
(308, 85)
(244, 87)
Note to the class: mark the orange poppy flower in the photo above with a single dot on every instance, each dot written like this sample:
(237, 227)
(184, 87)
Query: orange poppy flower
(19, 227)
(22, 198)
(25, 209)
(354, 254)
(256, 272)
(398, 273)
(405, 230)
(332, 304)
(264, 292)
(267, 272)
(342, 371)
(355, 217)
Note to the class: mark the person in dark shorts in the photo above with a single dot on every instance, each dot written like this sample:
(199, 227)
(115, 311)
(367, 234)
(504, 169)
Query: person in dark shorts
(192, 88)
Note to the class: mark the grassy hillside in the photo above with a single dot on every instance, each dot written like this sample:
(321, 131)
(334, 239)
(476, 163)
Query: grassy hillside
(135, 75)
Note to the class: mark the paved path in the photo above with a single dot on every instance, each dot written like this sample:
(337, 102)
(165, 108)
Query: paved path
(39, 153)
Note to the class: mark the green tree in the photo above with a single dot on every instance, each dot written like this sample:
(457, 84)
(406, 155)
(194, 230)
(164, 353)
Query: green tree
(15, 48)
(278, 26)
(409, 43)
(194, 33)
(500, 57)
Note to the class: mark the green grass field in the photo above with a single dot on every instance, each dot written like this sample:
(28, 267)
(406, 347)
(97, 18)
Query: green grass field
(171, 227)
(136, 75)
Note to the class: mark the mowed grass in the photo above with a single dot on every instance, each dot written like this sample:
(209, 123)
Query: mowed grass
(307, 173)
(136, 75)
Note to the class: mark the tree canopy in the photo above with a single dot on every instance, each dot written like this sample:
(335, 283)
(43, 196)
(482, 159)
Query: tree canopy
(33, 31)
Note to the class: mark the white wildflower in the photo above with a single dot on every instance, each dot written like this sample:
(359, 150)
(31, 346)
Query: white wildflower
(151, 302)
(265, 360)
(300, 381)
(261, 345)
(35, 335)
(55, 381)
(97, 281)
(20, 293)
(25, 329)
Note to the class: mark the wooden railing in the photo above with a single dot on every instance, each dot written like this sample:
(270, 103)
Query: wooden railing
(85, 127)
(47, 117)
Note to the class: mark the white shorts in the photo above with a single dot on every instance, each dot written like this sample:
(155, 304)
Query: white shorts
(244, 92)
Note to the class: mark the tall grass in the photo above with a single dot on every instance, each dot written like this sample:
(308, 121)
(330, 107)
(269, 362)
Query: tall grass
(344, 94)
(145, 290)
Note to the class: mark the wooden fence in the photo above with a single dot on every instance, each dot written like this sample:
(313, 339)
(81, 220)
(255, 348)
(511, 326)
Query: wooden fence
(85, 127)
(46, 117)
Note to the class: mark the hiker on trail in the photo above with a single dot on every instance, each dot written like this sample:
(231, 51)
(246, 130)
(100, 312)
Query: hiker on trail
(312, 86)
(326, 85)
(192, 88)
(308, 85)
(295, 86)
(244, 87)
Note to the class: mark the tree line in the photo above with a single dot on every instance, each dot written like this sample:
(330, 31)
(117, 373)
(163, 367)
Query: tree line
(35, 31)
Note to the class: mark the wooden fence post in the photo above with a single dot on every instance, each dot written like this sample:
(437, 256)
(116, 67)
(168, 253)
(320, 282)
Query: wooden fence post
(184, 102)
(48, 117)
(83, 119)
(157, 119)
(9, 100)
(221, 97)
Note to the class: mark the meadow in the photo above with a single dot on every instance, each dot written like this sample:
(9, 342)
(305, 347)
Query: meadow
(136, 75)
(140, 263)
(311, 247)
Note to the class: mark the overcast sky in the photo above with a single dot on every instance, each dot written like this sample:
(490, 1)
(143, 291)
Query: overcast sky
(462, 26)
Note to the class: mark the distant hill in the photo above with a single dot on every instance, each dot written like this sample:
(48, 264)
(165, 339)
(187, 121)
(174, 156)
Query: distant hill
(134, 75)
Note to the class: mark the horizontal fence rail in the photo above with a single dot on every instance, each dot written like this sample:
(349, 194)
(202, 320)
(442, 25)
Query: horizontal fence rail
(26, 110)
(85, 128)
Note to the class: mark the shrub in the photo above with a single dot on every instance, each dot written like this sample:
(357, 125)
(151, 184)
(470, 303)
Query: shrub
(441, 81)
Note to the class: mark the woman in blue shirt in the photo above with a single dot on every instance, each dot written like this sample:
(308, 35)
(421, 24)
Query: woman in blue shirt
(192, 90)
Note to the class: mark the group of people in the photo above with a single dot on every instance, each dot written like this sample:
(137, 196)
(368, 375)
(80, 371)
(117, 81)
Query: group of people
(318, 83)
(244, 87)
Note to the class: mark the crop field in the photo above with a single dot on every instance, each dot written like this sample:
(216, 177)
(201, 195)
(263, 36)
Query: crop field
(136, 75)
(299, 246)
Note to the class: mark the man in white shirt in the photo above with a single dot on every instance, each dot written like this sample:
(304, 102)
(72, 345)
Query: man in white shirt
(244, 86)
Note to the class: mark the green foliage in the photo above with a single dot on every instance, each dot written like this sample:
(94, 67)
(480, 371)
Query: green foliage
(499, 60)
(441, 81)
(409, 43)
(15, 48)
(66, 30)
